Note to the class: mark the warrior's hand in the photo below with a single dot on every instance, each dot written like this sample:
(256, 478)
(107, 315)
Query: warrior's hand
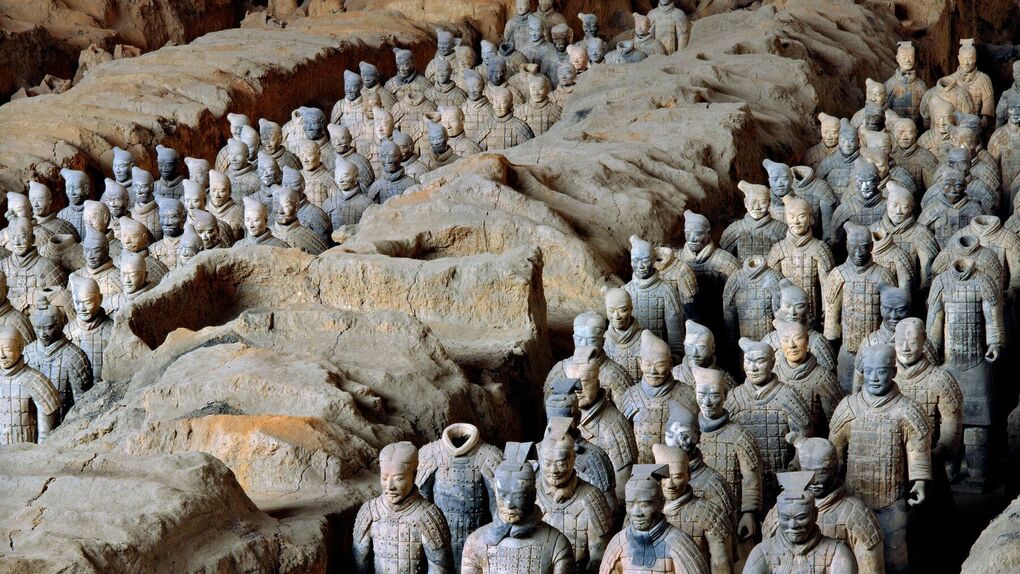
(916, 493)
(993, 353)
(747, 527)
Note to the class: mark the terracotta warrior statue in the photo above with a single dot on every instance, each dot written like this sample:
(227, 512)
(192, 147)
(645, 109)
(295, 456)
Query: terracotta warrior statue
(444, 90)
(977, 83)
(123, 161)
(145, 209)
(951, 209)
(516, 29)
(597, 49)
(623, 337)
(895, 306)
(982, 189)
(170, 177)
(937, 139)
(802, 258)
(539, 113)
(852, 305)
(172, 217)
(243, 179)
(657, 304)
(271, 142)
(916, 240)
(568, 503)
(828, 144)
(457, 473)
(91, 327)
(256, 225)
(77, 189)
(625, 53)
(559, 40)
(65, 365)
(536, 47)
(1001, 108)
(889, 255)
(865, 207)
(884, 439)
(673, 270)
(600, 422)
(438, 152)
(288, 228)
(590, 331)
(409, 113)
(950, 91)
(452, 119)
(1004, 243)
(644, 38)
(699, 351)
(905, 88)
(840, 516)
(30, 405)
(318, 180)
(407, 75)
(393, 180)
(41, 198)
(711, 266)
(409, 160)
(748, 300)
(792, 305)
(909, 155)
(189, 246)
(517, 541)
(250, 137)
(11, 317)
(99, 266)
(780, 185)
(768, 409)
(649, 543)
(399, 531)
(27, 272)
(370, 85)
(837, 169)
(135, 239)
(235, 122)
(223, 204)
(115, 198)
(647, 403)
(340, 137)
(798, 368)
(758, 231)
(730, 449)
(350, 201)
(198, 170)
(799, 543)
(445, 43)
(670, 25)
(933, 387)
(965, 322)
(506, 130)
(310, 215)
(133, 279)
(348, 111)
(1004, 147)
(566, 81)
(707, 525)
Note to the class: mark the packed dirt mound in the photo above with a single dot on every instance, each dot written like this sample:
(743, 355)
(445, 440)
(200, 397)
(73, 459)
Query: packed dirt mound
(997, 550)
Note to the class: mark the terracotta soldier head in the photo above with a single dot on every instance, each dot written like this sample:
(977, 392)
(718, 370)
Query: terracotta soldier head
(596, 50)
(198, 171)
(756, 199)
(556, 453)
(566, 74)
(878, 363)
(134, 235)
(250, 137)
(20, 233)
(502, 102)
(967, 56)
(287, 201)
(954, 185)
(237, 154)
(642, 25)
(123, 161)
(899, 203)
(41, 198)
(496, 71)
(86, 298)
(133, 272)
(676, 460)
(48, 320)
(642, 257)
(406, 145)
(578, 57)
(794, 339)
(19, 204)
(697, 231)
(452, 118)
(699, 344)
(522, 7)
(488, 50)
(352, 86)
(589, 330)
(405, 63)
(340, 137)
(268, 170)
(314, 121)
(536, 28)
(759, 359)
(910, 339)
(12, 344)
(514, 485)
(619, 308)
(849, 142)
(438, 138)
(874, 114)
(95, 248)
(710, 389)
(444, 72)
(390, 156)
(236, 122)
(943, 114)
(894, 304)
(583, 365)
(796, 509)
(115, 196)
(309, 153)
(799, 217)
(219, 188)
(194, 196)
(292, 179)
(167, 162)
(874, 93)
(654, 359)
(207, 227)
(906, 57)
(780, 177)
(819, 456)
(859, 244)
(958, 159)
(141, 185)
(1013, 103)
(76, 185)
(95, 214)
(905, 133)
(682, 428)
(383, 124)
(866, 175)
(369, 74)
(190, 245)
(255, 217)
(445, 42)
(398, 463)
(589, 24)
(171, 216)
(644, 497)
(829, 130)
(345, 174)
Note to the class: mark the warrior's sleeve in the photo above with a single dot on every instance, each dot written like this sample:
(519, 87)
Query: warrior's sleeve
(489, 457)
(927, 251)
(474, 560)
(83, 373)
(996, 145)
(799, 413)
(424, 478)
(936, 314)
(674, 322)
(864, 536)
(562, 556)
(839, 428)
(950, 405)
(840, 216)
(730, 316)
(683, 31)
(918, 436)
(362, 544)
(435, 539)
(749, 461)
(770, 524)
(991, 305)
(600, 523)
(984, 86)
(728, 239)
(611, 560)
(833, 305)
(756, 563)
(843, 560)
